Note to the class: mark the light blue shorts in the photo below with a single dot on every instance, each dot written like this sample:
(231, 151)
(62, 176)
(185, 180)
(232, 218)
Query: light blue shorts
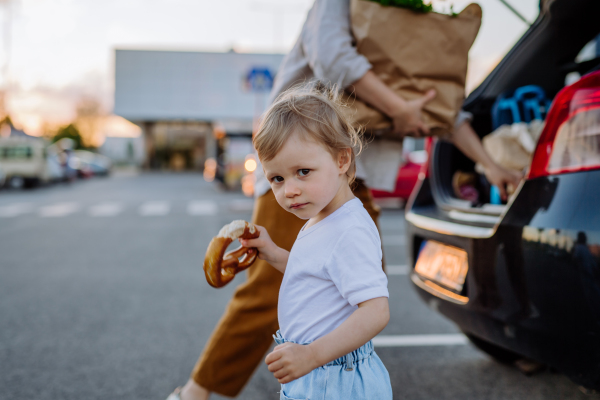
(359, 375)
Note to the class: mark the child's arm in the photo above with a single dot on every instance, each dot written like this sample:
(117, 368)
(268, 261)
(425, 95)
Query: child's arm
(268, 250)
(290, 361)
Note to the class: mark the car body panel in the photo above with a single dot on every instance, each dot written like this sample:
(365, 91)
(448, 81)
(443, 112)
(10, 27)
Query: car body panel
(534, 284)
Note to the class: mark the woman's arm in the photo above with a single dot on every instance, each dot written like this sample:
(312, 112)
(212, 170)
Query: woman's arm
(467, 141)
(290, 361)
(268, 250)
(328, 46)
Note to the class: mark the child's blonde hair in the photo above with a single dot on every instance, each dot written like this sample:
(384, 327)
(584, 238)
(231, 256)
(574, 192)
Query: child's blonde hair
(314, 110)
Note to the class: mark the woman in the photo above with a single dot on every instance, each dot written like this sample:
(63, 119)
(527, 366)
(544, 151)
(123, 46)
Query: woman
(324, 51)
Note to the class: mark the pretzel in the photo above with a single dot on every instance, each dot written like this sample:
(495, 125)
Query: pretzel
(220, 268)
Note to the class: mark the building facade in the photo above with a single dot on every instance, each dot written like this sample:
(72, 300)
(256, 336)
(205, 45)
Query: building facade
(179, 97)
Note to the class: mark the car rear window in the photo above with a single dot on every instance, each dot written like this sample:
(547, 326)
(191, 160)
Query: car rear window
(586, 61)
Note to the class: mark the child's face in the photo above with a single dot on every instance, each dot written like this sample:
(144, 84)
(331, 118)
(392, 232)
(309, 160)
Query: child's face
(304, 176)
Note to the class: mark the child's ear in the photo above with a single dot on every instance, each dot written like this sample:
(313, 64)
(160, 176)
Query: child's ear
(344, 160)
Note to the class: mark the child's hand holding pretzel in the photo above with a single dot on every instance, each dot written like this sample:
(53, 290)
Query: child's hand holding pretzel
(268, 250)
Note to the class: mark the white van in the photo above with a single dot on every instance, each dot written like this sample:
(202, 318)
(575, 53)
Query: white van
(24, 161)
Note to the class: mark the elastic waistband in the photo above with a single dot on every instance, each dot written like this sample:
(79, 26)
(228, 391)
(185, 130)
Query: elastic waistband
(364, 351)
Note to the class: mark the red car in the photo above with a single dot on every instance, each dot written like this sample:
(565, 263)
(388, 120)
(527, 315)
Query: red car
(415, 157)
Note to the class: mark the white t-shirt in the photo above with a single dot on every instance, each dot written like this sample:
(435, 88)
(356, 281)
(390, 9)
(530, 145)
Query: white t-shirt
(333, 266)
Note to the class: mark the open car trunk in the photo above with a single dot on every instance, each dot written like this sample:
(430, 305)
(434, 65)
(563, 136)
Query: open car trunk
(543, 56)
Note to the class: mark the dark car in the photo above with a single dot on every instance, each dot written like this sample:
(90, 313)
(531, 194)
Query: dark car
(522, 280)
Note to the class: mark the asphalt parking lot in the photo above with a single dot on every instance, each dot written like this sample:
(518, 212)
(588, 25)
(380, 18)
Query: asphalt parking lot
(102, 296)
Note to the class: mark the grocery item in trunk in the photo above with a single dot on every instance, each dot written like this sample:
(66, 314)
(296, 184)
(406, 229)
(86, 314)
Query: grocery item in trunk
(463, 185)
(412, 53)
(512, 146)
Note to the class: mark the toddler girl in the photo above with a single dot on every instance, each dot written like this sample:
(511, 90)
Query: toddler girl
(333, 299)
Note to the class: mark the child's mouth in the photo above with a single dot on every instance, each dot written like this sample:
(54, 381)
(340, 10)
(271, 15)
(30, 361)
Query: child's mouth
(296, 206)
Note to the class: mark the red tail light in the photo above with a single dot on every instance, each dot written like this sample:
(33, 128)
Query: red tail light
(570, 140)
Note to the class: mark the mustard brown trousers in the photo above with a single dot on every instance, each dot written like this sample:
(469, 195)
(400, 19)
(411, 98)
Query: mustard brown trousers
(244, 333)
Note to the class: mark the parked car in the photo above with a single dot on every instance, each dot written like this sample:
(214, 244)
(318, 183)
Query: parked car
(2, 178)
(522, 280)
(88, 164)
(54, 166)
(233, 161)
(414, 157)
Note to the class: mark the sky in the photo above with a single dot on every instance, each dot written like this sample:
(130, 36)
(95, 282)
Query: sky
(59, 51)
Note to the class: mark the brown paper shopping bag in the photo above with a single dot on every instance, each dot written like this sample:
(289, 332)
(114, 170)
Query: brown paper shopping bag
(412, 53)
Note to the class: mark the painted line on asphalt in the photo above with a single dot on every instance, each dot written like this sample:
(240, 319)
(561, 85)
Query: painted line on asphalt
(397, 269)
(106, 210)
(420, 340)
(202, 207)
(241, 205)
(155, 209)
(59, 210)
(15, 209)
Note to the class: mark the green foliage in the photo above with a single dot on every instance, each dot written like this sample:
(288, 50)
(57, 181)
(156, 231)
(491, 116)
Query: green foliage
(414, 5)
(70, 131)
(452, 13)
(7, 120)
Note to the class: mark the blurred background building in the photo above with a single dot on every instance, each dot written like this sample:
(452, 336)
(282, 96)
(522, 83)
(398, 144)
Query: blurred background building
(192, 106)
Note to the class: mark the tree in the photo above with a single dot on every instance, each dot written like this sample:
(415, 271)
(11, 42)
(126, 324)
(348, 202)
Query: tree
(7, 120)
(70, 131)
(6, 126)
(90, 119)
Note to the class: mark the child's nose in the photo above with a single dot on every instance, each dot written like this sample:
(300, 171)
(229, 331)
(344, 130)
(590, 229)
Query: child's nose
(291, 190)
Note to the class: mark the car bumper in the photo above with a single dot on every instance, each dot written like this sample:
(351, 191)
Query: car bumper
(531, 285)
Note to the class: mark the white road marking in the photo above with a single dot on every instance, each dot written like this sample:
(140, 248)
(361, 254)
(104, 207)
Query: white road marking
(420, 340)
(397, 269)
(393, 240)
(155, 208)
(15, 209)
(241, 205)
(59, 210)
(202, 207)
(106, 209)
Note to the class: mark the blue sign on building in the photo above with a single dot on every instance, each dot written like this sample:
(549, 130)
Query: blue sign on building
(259, 79)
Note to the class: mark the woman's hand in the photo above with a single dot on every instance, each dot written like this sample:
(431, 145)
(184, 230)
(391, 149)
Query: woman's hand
(467, 141)
(267, 249)
(290, 361)
(408, 116)
(501, 177)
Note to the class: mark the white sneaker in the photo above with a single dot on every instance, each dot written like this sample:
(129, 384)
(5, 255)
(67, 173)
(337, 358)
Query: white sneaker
(175, 395)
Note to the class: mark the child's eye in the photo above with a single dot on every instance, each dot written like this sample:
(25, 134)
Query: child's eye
(277, 179)
(303, 172)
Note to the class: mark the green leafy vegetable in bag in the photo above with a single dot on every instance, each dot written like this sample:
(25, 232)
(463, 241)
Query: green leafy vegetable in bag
(414, 5)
